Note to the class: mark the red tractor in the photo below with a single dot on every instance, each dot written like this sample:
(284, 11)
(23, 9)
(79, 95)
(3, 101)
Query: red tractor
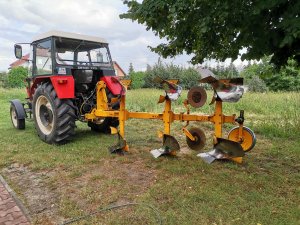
(64, 70)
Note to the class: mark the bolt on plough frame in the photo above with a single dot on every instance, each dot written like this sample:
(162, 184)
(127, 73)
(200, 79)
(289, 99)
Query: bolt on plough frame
(240, 138)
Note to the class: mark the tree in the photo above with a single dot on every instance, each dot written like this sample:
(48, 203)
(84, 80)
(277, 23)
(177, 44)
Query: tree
(220, 29)
(131, 70)
(225, 71)
(285, 79)
(187, 77)
(16, 77)
(148, 67)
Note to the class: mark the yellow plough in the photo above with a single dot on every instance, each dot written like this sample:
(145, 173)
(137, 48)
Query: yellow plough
(240, 139)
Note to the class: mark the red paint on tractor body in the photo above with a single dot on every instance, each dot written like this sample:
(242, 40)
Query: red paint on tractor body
(64, 86)
(113, 85)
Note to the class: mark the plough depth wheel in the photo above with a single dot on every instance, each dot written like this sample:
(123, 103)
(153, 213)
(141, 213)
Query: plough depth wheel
(200, 139)
(197, 96)
(248, 138)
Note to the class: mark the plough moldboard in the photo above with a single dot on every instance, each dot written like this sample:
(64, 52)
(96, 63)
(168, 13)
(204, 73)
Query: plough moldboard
(240, 139)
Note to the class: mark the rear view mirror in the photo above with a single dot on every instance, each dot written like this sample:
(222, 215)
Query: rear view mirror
(18, 51)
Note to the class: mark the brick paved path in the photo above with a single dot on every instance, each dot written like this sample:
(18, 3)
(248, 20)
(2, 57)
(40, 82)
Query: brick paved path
(10, 212)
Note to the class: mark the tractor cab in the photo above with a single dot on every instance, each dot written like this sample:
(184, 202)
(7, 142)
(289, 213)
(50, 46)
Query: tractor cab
(64, 71)
(63, 54)
(58, 52)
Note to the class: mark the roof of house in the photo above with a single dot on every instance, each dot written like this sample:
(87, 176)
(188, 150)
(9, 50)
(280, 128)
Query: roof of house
(115, 63)
(56, 33)
(205, 72)
(21, 61)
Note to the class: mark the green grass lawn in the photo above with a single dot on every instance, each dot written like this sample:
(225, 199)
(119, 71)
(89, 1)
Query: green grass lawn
(60, 182)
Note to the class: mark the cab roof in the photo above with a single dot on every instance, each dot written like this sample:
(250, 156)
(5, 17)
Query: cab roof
(56, 33)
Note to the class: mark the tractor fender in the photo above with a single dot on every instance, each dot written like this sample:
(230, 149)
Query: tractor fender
(20, 111)
(114, 85)
(64, 86)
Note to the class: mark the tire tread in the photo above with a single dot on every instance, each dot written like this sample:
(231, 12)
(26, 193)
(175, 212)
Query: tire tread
(64, 128)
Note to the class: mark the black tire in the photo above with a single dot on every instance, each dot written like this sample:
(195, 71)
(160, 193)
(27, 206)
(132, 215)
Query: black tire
(17, 123)
(54, 118)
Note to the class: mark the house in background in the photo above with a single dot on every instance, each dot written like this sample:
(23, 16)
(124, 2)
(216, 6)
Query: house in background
(21, 62)
(119, 71)
(25, 63)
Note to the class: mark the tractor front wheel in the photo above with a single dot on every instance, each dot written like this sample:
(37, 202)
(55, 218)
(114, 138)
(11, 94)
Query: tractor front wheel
(17, 123)
(54, 118)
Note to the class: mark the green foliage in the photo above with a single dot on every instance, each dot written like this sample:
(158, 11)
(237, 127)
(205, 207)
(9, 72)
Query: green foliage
(255, 84)
(220, 29)
(225, 71)
(187, 77)
(137, 79)
(285, 79)
(16, 77)
(130, 70)
(190, 78)
(3, 79)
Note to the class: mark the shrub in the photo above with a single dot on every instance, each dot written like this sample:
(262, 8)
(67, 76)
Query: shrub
(3, 79)
(137, 79)
(256, 84)
(16, 77)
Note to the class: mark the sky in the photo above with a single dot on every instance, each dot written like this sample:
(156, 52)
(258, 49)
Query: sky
(21, 20)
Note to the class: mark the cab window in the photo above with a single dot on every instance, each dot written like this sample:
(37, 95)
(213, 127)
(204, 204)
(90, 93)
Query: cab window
(43, 59)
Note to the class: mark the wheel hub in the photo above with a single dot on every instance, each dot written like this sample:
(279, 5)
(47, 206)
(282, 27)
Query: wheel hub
(44, 115)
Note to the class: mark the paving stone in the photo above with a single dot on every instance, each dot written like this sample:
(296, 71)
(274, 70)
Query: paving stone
(8, 205)
(6, 218)
(17, 221)
(10, 212)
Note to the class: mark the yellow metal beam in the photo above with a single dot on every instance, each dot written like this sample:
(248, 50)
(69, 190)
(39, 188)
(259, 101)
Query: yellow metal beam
(188, 134)
(218, 119)
(102, 102)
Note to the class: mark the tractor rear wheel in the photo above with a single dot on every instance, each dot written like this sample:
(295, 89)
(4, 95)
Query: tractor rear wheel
(54, 118)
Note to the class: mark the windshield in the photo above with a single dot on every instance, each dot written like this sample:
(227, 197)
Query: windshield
(81, 53)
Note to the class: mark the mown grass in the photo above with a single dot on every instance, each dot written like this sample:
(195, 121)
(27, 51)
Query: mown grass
(263, 190)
